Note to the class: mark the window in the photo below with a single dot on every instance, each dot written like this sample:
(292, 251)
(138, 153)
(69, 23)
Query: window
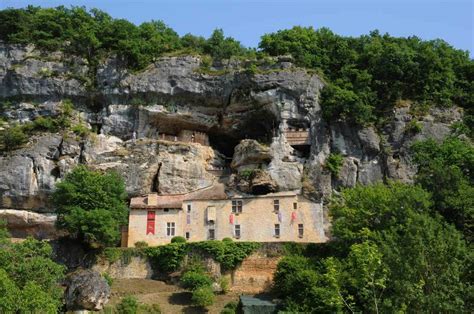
(276, 206)
(300, 230)
(295, 205)
(189, 208)
(212, 234)
(187, 235)
(237, 231)
(170, 227)
(166, 210)
(277, 230)
(237, 207)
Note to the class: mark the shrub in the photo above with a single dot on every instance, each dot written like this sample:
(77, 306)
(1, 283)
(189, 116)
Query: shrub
(112, 254)
(246, 174)
(230, 308)
(149, 309)
(228, 254)
(413, 127)
(194, 263)
(192, 280)
(225, 284)
(128, 305)
(227, 240)
(167, 258)
(44, 124)
(67, 107)
(80, 130)
(203, 297)
(109, 279)
(334, 163)
(13, 138)
(178, 239)
(141, 244)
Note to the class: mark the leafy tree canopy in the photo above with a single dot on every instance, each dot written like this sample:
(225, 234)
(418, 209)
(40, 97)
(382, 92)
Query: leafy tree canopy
(91, 205)
(447, 170)
(29, 279)
(392, 253)
(368, 75)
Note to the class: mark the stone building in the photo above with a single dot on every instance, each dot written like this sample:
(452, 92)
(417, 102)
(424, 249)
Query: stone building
(210, 214)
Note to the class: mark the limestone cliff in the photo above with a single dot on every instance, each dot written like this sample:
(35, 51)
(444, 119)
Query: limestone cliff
(136, 118)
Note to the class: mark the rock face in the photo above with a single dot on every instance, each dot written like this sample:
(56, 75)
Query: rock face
(137, 115)
(86, 290)
(137, 267)
(23, 223)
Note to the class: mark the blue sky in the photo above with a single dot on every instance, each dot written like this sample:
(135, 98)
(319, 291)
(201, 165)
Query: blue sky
(247, 20)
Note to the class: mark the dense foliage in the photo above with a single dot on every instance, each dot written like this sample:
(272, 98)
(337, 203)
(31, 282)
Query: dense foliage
(447, 170)
(29, 279)
(91, 205)
(392, 253)
(170, 257)
(95, 35)
(130, 305)
(368, 75)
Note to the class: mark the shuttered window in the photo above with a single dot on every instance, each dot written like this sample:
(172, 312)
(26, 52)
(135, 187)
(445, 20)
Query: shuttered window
(150, 222)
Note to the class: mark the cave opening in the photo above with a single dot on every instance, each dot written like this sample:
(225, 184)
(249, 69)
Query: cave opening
(258, 125)
(302, 151)
(223, 143)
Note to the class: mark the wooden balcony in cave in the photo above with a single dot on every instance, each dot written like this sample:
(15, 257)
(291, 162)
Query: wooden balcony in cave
(297, 137)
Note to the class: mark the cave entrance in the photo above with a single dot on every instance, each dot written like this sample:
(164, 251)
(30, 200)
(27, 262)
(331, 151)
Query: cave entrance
(224, 143)
(302, 151)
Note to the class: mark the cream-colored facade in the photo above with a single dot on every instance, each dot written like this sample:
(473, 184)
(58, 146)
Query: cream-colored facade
(276, 217)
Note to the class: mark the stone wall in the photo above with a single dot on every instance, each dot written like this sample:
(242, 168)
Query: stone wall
(253, 275)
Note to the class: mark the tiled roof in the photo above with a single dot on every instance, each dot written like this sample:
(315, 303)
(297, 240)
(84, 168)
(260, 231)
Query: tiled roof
(164, 201)
(215, 192)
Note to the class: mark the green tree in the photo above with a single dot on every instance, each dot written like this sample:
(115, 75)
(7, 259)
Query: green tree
(91, 205)
(203, 296)
(9, 293)
(447, 171)
(426, 258)
(221, 47)
(29, 279)
(368, 274)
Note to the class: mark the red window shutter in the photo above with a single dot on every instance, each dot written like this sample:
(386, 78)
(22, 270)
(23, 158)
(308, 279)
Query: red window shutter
(150, 223)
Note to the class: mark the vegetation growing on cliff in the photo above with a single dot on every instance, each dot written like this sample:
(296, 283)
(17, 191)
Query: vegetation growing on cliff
(91, 206)
(366, 76)
(94, 35)
(29, 279)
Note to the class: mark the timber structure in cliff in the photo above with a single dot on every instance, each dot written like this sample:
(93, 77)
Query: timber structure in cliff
(297, 137)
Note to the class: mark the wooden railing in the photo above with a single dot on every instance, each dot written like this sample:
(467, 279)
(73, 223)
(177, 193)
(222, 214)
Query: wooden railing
(297, 136)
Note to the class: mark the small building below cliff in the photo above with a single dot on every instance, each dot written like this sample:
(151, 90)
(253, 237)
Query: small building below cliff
(209, 214)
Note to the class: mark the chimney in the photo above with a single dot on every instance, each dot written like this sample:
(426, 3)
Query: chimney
(152, 199)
